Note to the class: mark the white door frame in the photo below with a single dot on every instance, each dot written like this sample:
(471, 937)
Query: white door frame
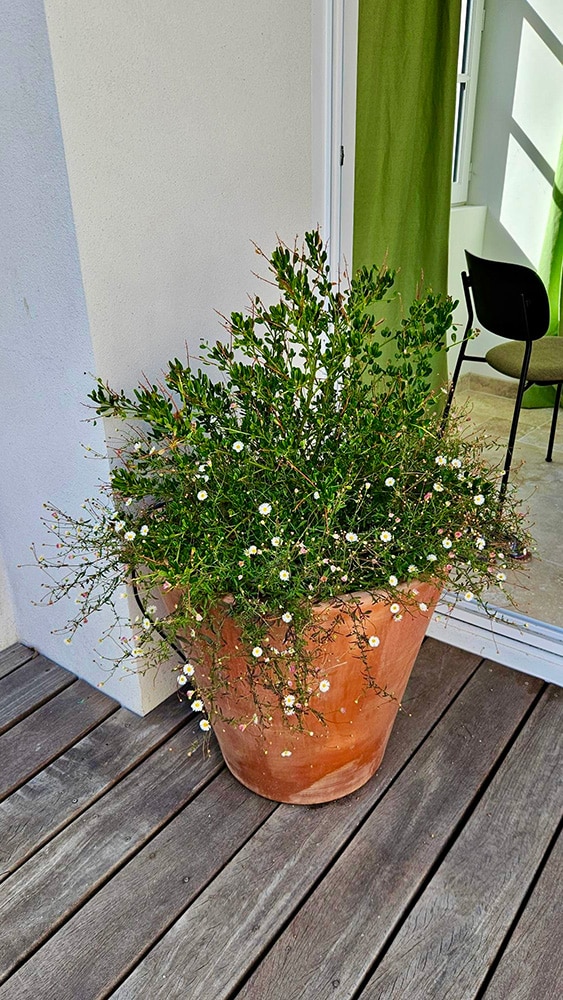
(334, 65)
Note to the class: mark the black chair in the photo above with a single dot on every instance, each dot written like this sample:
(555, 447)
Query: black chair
(511, 301)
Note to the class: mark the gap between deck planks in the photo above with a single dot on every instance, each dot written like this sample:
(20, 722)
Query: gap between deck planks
(327, 950)
(23, 690)
(158, 870)
(36, 811)
(531, 967)
(452, 935)
(13, 657)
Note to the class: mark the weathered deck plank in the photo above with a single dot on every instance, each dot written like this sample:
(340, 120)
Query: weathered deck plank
(532, 965)
(24, 690)
(142, 868)
(63, 874)
(290, 852)
(332, 942)
(142, 899)
(40, 738)
(13, 657)
(294, 838)
(36, 811)
(451, 937)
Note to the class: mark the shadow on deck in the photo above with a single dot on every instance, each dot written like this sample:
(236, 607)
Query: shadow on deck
(133, 864)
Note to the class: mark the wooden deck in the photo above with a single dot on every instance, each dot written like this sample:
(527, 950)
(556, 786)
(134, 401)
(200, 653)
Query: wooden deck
(133, 865)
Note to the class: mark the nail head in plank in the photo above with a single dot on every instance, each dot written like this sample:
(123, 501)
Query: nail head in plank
(337, 933)
(51, 799)
(450, 939)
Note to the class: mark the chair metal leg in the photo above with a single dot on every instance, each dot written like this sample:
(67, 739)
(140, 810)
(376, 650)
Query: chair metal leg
(554, 422)
(515, 418)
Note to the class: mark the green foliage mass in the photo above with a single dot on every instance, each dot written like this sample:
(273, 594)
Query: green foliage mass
(302, 467)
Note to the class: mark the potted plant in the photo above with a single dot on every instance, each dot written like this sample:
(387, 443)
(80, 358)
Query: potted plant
(298, 510)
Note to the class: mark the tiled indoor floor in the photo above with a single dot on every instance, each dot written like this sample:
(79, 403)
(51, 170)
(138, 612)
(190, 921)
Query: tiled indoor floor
(537, 591)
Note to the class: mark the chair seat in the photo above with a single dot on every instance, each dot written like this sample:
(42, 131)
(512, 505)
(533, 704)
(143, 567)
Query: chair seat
(546, 363)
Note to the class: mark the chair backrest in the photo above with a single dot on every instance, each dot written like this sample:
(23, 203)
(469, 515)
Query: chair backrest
(510, 299)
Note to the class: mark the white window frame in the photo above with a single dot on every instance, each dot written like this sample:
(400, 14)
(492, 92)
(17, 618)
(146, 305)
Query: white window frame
(334, 61)
(472, 25)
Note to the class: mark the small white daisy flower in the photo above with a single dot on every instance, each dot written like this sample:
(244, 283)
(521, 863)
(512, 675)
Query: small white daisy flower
(373, 641)
(251, 550)
(238, 446)
(431, 557)
(151, 610)
(276, 541)
(202, 495)
(265, 508)
(351, 536)
(316, 495)
(119, 526)
(147, 623)
(129, 536)
(386, 536)
(137, 651)
(189, 669)
(257, 651)
(412, 568)
(501, 576)
(393, 580)
(289, 700)
(284, 575)
(389, 481)
(394, 609)
(287, 617)
(198, 617)
(456, 463)
(438, 488)
(182, 680)
(479, 500)
(324, 686)
(137, 446)
(447, 543)
(468, 595)
(205, 725)
(285, 753)
(480, 543)
(423, 606)
(441, 460)
(197, 705)
(144, 530)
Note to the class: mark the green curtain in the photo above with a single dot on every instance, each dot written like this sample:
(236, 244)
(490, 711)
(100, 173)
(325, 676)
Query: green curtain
(407, 66)
(551, 271)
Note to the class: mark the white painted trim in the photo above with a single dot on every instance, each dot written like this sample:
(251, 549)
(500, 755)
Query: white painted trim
(334, 68)
(460, 187)
(506, 637)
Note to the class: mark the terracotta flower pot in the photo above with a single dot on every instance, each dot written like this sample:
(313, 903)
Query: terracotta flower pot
(333, 757)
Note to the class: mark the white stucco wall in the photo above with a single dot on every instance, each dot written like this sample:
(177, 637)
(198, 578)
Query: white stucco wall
(187, 132)
(8, 631)
(144, 144)
(45, 343)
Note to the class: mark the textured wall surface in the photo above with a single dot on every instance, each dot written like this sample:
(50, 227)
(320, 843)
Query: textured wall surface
(187, 131)
(143, 145)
